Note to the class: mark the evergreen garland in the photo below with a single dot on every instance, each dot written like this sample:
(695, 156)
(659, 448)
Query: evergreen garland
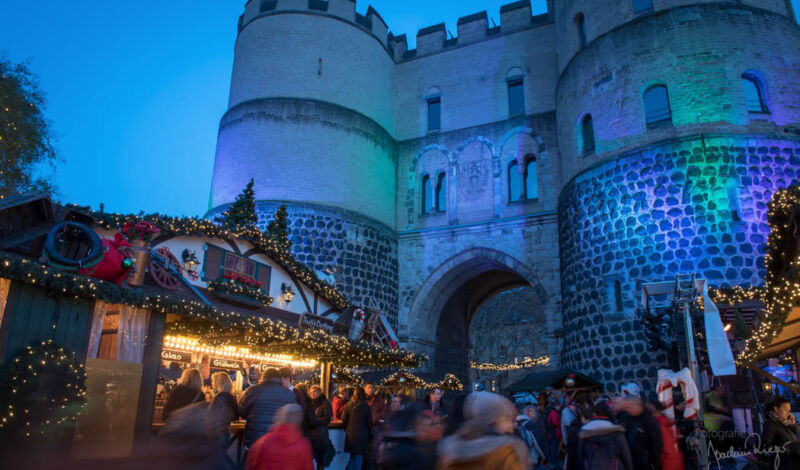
(242, 213)
(29, 412)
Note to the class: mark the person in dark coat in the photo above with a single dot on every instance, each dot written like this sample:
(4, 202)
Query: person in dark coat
(319, 435)
(357, 422)
(223, 408)
(260, 402)
(397, 449)
(780, 433)
(189, 390)
(585, 414)
(602, 444)
(310, 420)
(642, 432)
(376, 403)
(455, 413)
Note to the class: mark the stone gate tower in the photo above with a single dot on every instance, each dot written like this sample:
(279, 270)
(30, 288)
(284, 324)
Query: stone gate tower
(568, 157)
(311, 118)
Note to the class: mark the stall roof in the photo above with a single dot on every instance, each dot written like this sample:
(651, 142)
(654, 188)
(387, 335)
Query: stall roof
(789, 337)
(538, 381)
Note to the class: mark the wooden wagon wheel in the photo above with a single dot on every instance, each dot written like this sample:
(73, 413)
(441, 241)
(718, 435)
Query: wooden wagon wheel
(162, 274)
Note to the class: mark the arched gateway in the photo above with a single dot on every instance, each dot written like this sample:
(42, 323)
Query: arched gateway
(437, 320)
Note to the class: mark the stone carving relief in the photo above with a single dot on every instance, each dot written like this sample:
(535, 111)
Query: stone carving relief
(474, 171)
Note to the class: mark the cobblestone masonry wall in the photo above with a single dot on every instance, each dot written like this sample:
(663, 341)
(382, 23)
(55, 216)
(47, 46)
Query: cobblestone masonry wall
(696, 205)
(363, 251)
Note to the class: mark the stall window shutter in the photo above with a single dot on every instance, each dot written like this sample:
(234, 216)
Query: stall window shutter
(212, 262)
(262, 276)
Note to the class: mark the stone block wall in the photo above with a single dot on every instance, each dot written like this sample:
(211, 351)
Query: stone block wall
(362, 251)
(692, 205)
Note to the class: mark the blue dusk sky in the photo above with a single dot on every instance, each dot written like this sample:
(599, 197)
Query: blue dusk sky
(136, 89)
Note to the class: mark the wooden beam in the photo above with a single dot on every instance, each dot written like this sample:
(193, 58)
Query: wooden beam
(772, 378)
(147, 391)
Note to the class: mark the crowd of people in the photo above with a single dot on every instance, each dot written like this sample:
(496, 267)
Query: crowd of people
(287, 427)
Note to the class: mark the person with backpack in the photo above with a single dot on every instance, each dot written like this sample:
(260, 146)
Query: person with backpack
(524, 428)
(602, 444)
(553, 430)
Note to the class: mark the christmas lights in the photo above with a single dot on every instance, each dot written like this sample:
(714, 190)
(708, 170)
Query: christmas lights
(406, 379)
(235, 287)
(21, 414)
(182, 343)
(258, 333)
(537, 361)
(781, 290)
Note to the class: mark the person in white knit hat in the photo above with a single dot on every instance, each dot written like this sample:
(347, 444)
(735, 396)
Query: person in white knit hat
(486, 440)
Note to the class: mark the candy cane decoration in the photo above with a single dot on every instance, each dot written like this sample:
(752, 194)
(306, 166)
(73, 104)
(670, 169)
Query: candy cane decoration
(667, 380)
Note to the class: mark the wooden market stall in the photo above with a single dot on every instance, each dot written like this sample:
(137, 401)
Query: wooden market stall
(124, 302)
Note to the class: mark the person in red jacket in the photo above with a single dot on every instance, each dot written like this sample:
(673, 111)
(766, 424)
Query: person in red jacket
(671, 455)
(283, 447)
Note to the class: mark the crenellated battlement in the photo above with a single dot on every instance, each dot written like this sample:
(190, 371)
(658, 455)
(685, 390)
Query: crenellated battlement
(342, 9)
(430, 40)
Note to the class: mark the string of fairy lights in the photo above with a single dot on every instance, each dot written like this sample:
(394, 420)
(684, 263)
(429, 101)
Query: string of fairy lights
(182, 343)
(781, 290)
(193, 226)
(261, 335)
(536, 361)
(19, 415)
(229, 286)
(406, 379)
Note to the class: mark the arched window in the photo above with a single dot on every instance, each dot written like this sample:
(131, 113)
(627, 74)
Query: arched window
(579, 25)
(587, 134)
(523, 184)
(531, 180)
(656, 105)
(515, 188)
(441, 192)
(752, 94)
(427, 194)
(618, 295)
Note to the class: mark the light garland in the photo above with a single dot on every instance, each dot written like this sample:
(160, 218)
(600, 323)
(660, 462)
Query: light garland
(182, 343)
(537, 361)
(781, 289)
(405, 378)
(229, 286)
(260, 334)
(21, 418)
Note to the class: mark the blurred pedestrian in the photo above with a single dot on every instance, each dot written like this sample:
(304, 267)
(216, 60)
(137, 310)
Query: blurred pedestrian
(486, 439)
(585, 413)
(397, 449)
(376, 402)
(434, 407)
(455, 413)
(525, 429)
(223, 408)
(553, 430)
(260, 402)
(357, 422)
(338, 402)
(319, 435)
(642, 430)
(568, 413)
(310, 420)
(780, 432)
(185, 443)
(671, 455)
(283, 447)
(189, 390)
(602, 444)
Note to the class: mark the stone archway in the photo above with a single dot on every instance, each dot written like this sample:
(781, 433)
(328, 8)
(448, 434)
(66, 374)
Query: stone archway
(451, 294)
